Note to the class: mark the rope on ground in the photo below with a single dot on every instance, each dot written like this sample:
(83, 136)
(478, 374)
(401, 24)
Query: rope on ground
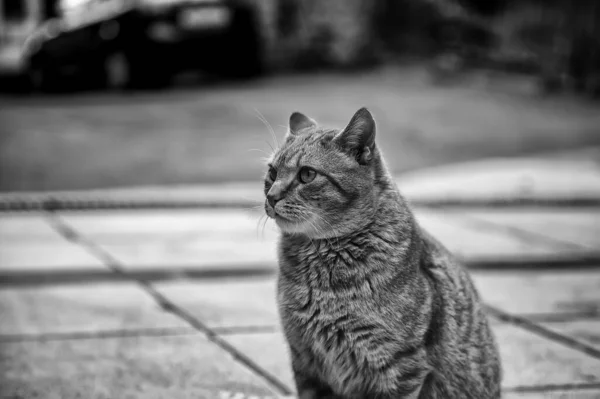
(70, 202)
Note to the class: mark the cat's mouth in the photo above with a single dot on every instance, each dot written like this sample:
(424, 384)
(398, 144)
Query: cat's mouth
(273, 214)
(283, 221)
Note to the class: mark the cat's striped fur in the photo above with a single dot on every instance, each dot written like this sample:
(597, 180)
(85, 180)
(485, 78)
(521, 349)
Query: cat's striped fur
(371, 305)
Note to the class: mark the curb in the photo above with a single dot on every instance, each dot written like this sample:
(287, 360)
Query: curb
(570, 179)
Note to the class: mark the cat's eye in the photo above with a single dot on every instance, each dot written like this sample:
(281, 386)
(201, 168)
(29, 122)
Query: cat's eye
(272, 174)
(306, 175)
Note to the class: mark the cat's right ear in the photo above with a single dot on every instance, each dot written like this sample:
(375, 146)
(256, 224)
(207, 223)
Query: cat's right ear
(358, 138)
(299, 121)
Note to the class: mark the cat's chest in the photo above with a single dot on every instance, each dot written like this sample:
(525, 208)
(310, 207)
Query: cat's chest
(319, 317)
(335, 336)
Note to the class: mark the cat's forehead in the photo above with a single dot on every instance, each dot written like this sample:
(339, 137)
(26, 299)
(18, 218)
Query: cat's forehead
(311, 145)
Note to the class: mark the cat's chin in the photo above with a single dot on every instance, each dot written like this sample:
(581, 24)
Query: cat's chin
(290, 226)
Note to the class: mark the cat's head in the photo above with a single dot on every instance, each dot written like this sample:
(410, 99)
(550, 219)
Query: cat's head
(323, 182)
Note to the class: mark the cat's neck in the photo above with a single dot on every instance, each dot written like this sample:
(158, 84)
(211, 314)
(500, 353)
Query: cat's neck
(388, 249)
(391, 230)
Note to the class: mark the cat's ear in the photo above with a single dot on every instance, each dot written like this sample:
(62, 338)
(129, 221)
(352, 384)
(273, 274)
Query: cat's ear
(358, 138)
(300, 122)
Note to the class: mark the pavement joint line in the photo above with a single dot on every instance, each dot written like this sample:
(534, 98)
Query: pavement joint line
(513, 203)
(551, 388)
(538, 263)
(98, 334)
(36, 277)
(112, 263)
(533, 327)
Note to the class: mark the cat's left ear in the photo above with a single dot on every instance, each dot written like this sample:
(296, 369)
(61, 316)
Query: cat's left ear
(358, 138)
(300, 122)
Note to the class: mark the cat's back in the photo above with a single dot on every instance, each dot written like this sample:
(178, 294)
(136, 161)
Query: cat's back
(463, 349)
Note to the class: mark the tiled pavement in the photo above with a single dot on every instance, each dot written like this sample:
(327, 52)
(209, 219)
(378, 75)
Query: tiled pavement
(180, 304)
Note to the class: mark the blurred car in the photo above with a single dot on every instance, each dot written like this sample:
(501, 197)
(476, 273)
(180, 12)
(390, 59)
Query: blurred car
(19, 19)
(143, 43)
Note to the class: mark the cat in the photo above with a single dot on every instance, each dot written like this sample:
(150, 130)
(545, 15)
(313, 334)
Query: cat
(371, 305)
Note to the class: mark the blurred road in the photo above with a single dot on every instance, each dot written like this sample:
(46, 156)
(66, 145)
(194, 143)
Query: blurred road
(214, 133)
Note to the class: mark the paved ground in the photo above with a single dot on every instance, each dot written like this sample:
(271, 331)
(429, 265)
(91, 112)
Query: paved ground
(180, 303)
(214, 133)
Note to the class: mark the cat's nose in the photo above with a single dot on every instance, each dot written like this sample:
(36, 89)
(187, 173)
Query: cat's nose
(272, 199)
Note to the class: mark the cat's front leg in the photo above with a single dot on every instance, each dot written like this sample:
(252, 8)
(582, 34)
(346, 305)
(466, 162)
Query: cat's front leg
(308, 384)
(316, 394)
(309, 387)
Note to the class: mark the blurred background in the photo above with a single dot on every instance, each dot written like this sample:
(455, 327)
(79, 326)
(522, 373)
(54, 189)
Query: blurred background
(104, 93)
(155, 116)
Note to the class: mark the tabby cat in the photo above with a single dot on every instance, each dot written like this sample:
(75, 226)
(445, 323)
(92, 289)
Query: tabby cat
(371, 305)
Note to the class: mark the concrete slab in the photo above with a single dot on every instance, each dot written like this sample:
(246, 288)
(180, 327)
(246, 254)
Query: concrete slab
(80, 308)
(467, 241)
(16, 227)
(28, 242)
(166, 367)
(587, 331)
(541, 293)
(205, 238)
(143, 224)
(234, 303)
(576, 393)
(197, 238)
(580, 226)
(528, 359)
(556, 176)
(226, 303)
(269, 350)
(531, 360)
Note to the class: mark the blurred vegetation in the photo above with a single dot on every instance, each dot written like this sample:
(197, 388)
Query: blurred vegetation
(557, 40)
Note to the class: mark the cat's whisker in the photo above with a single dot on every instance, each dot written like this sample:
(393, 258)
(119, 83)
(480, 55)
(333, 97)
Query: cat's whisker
(263, 228)
(258, 225)
(250, 199)
(258, 204)
(269, 144)
(255, 208)
(268, 125)
(259, 150)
